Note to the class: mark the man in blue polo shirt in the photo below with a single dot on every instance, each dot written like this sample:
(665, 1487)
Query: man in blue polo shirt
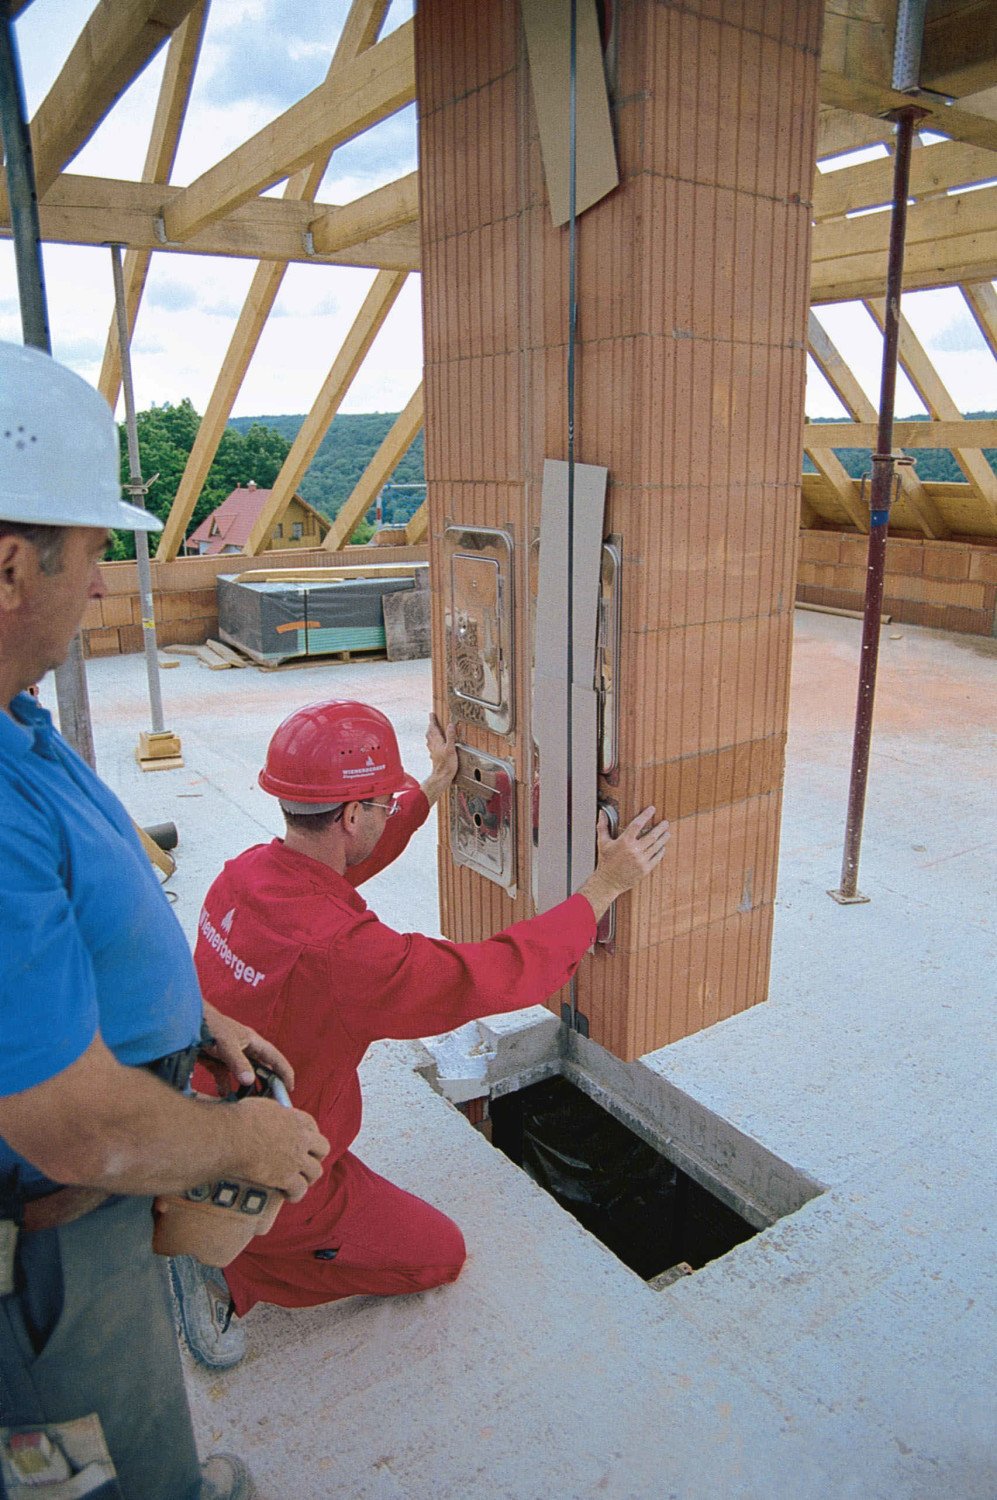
(99, 1003)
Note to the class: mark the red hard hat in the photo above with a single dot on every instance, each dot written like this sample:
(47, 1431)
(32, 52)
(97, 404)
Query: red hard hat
(339, 751)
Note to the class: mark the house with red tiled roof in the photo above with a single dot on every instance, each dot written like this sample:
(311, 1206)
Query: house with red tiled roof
(227, 528)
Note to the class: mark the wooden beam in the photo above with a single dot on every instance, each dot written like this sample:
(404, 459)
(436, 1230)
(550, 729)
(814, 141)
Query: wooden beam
(364, 91)
(933, 170)
(171, 107)
(95, 210)
(368, 322)
(935, 395)
(395, 445)
(845, 487)
(981, 300)
(857, 40)
(949, 240)
(838, 131)
(418, 526)
(360, 31)
(838, 373)
(116, 43)
(964, 433)
(390, 207)
(856, 68)
(959, 55)
(868, 99)
(855, 401)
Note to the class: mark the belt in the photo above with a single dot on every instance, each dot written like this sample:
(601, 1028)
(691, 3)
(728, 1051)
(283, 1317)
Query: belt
(60, 1207)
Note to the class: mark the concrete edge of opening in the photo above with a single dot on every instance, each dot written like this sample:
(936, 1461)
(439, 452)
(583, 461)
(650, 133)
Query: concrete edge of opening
(503, 1054)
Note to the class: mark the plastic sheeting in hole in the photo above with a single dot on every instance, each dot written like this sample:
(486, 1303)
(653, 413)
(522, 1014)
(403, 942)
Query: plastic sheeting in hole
(641, 1206)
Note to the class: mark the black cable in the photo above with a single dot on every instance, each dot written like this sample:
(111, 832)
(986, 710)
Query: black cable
(572, 327)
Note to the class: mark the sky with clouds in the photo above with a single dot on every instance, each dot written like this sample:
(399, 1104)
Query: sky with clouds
(259, 57)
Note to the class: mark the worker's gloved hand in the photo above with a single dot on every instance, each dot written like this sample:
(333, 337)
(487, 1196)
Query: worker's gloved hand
(235, 1048)
(442, 747)
(277, 1147)
(625, 860)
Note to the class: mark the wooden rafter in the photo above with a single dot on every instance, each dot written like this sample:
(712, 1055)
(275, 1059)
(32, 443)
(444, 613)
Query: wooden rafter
(367, 324)
(933, 171)
(844, 486)
(982, 302)
(933, 392)
(171, 107)
(949, 240)
(838, 131)
(418, 526)
(360, 31)
(394, 206)
(118, 40)
(369, 89)
(855, 401)
(397, 441)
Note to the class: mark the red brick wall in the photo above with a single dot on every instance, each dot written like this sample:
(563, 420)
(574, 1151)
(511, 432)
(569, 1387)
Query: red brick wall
(184, 594)
(692, 286)
(946, 585)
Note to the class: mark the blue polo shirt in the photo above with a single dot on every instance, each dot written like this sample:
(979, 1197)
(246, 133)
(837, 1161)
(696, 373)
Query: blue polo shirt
(88, 941)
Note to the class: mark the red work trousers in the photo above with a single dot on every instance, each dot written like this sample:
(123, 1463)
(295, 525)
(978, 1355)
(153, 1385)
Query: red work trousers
(366, 1237)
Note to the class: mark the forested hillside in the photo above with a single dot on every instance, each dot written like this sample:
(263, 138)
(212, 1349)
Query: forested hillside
(931, 464)
(345, 452)
(254, 448)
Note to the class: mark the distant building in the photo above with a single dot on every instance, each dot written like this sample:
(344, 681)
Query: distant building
(227, 528)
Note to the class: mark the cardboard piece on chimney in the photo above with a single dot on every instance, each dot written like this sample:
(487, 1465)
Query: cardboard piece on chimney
(548, 41)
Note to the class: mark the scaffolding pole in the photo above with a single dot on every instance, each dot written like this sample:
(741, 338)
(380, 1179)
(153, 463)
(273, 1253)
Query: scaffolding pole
(70, 676)
(880, 496)
(160, 748)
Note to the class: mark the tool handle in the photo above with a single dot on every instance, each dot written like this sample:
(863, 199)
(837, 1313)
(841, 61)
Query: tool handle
(279, 1092)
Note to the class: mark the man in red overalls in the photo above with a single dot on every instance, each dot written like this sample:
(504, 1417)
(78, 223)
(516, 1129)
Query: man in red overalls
(287, 945)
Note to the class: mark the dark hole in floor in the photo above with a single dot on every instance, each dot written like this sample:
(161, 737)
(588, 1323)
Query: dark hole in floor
(643, 1208)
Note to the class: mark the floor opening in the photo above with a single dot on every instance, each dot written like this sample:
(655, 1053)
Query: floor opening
(654, 1217)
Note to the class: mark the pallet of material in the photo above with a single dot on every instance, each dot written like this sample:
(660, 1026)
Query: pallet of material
(364, 653)
(283, 617)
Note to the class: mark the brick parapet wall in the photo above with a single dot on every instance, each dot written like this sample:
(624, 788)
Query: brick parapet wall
(945, 585)
(185, 594)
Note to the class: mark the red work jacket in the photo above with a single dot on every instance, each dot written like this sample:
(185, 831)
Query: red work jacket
(289, 947)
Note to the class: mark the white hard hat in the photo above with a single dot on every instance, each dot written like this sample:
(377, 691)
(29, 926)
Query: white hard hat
(59, 454)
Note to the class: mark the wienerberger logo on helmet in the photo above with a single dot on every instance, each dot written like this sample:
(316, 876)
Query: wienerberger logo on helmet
(369, 769)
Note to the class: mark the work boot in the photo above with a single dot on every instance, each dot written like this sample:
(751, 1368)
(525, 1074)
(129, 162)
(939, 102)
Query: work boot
(207, 1321)
(225, 1478)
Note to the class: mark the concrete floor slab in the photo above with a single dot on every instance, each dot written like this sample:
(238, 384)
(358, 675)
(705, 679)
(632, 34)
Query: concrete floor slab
(846, 1351)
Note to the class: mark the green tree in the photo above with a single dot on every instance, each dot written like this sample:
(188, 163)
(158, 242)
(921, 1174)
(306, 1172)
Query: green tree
(165, 437)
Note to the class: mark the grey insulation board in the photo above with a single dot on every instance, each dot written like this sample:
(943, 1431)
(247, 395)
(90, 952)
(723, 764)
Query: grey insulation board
(556, 698)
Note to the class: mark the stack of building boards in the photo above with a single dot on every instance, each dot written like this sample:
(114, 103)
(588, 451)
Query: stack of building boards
(276, 617)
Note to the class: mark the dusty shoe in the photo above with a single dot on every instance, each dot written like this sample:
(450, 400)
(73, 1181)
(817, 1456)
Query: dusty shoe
(225, 1478)
(206, 1318)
